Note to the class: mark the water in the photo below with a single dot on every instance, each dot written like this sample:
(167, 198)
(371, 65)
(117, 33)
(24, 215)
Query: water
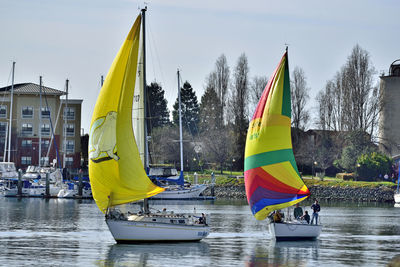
(63, 232)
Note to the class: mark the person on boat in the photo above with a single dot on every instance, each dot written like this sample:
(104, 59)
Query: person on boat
(306, 217)
(202, 219)
(298, 212)
(278, 216)
(316, 208)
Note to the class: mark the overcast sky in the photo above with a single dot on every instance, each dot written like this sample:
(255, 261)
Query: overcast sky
(78, 39)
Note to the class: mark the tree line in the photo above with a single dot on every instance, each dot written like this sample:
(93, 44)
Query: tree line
(215, 128)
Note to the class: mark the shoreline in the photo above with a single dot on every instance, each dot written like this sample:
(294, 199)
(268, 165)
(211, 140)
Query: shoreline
(382, 194)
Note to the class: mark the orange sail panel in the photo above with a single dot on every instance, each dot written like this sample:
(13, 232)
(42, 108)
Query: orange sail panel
(116, 171)
(272, 179)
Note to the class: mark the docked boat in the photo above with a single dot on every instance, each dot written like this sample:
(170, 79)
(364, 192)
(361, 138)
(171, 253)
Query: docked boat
(8, 170)
(116, 170)
(175, 186)
(168, 178)
(33, 183)
(397, 197)
(70, 189)
(272, 179)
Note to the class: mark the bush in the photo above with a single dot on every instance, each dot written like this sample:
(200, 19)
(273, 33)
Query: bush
(345, 176)
(373, 166)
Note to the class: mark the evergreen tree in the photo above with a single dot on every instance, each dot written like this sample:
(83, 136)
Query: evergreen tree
(239, 108)
(190, 109)
(209, 110)
(158, 111)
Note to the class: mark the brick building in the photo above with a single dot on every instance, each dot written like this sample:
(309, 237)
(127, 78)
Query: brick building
(59, 126)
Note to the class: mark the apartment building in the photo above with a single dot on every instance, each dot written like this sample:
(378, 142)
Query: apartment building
(44, 127)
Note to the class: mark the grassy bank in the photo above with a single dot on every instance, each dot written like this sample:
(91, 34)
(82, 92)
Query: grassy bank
(236, 178)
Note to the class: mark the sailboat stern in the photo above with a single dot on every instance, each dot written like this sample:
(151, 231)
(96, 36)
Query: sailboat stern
(294, 231)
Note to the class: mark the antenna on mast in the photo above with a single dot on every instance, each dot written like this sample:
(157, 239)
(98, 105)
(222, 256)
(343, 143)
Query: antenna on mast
(287, 47)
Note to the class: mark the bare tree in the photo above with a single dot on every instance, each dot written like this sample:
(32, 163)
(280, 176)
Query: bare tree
(255, 91)
(215, 141)
(299, 97)
(216, 144)
(359, 83)
(350, 102)
(219, 80)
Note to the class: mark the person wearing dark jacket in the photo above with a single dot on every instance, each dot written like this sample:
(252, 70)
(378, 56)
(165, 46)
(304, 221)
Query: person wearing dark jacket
(298, 212)
(315, 208)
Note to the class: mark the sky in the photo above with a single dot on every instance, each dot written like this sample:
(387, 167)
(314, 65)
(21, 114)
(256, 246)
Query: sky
(78, 40)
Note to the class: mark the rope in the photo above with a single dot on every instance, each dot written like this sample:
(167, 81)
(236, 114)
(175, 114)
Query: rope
(51, 124)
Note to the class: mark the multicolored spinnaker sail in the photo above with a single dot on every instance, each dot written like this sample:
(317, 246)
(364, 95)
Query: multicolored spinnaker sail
(271, 177)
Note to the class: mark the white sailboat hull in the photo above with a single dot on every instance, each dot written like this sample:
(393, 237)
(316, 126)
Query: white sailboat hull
(294, 231)
(73, 193)
(36, 191)
(397, 198)
(125, 231)
(179, 193)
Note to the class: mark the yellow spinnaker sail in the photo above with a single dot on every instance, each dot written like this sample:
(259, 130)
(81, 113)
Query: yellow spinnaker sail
(116, 172)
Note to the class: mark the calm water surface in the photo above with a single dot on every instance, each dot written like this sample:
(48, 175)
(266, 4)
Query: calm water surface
(62, 232)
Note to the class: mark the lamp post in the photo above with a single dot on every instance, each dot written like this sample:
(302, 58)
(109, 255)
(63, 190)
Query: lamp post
(233, 162)
(314, 168)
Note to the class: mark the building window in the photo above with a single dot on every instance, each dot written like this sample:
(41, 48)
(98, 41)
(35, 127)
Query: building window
(27, 112)
(26, 143)
(45, 112)
(27, 129)
(45, 129)
(44, 161)
(69, 161)
(26, 160)
(45, 144)
(3, 111)
(3, 128)
(70, 129)
(69, 113)
(69, 146)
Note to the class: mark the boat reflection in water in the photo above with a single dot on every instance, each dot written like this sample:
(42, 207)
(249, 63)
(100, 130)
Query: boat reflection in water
(154, 254)
(285, 253)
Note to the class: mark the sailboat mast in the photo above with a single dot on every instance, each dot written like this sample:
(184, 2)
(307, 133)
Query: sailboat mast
(5, 144)
(40, 119)
(146, 149)
(11, 109)
(180, 122)
(65, 124)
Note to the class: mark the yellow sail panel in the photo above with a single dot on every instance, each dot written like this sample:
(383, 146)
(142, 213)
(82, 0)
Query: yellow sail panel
(116, 172)
(285, 173)
(262, 214)
(276, 133)
(275, 97)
